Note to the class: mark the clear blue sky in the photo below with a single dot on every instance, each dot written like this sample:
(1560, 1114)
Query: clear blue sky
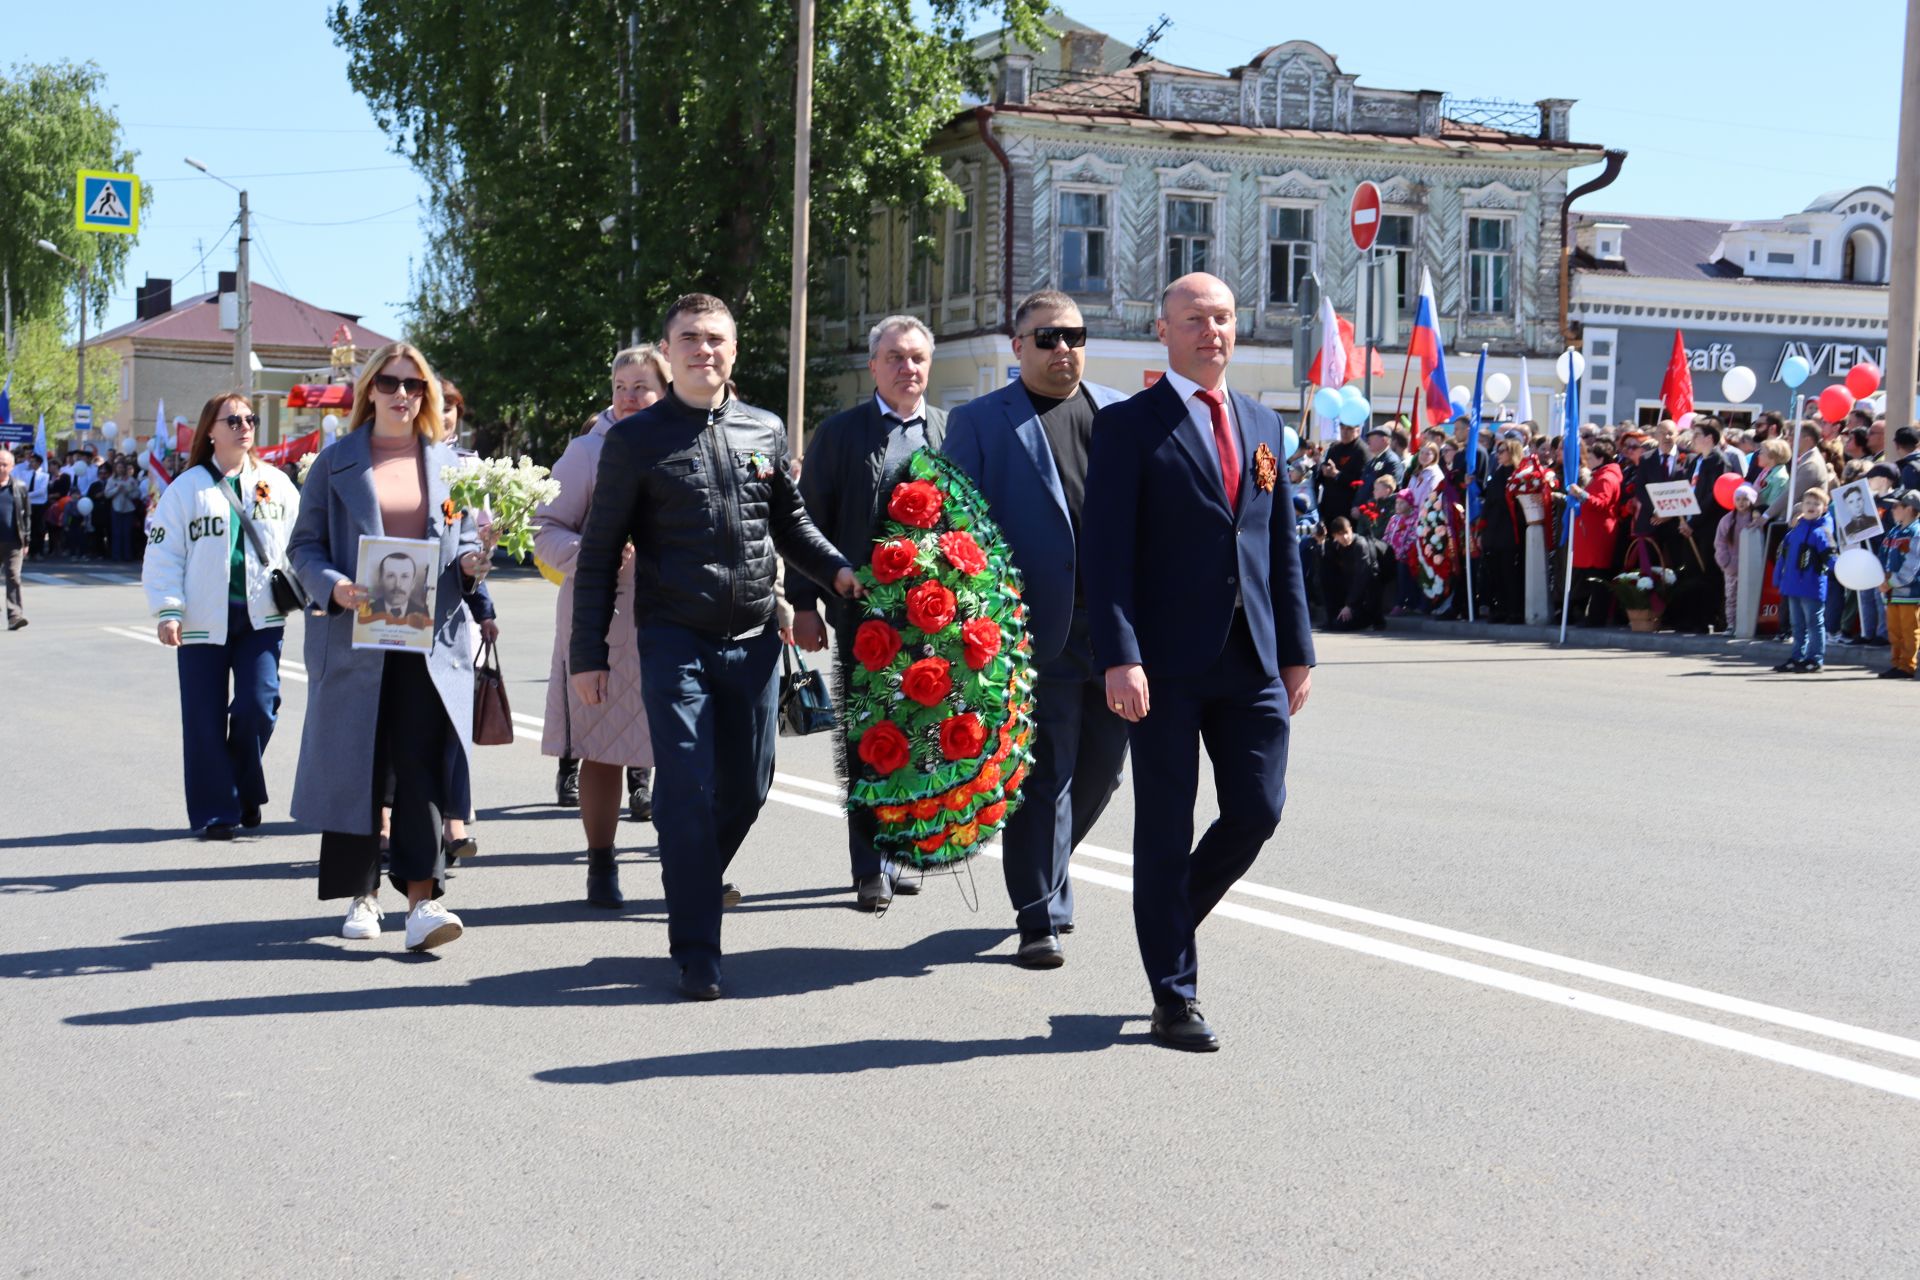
(1748, 114)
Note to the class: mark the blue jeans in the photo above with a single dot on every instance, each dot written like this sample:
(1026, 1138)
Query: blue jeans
(711, 707)
(222, 736)
(1808, 617)
(1873, 615)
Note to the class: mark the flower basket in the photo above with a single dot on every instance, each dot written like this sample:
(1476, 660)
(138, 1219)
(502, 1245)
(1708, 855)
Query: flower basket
(1642, 620)
(939, 692)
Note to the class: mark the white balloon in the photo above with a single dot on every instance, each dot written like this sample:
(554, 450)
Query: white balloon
(84, 506)
(1858, 569)
(1499, 387)
(1462, 395)
(109, 429)
(1570, 365)
(330, 425)
(1738, 383)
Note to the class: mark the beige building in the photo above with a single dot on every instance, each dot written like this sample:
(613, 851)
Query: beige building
(1106, 180)
(178, 355)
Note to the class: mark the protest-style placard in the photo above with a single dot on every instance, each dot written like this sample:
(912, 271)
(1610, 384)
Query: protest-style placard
(1673, 498)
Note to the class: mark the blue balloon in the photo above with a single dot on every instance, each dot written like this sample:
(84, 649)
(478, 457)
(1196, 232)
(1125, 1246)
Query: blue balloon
(1354, 411)
(1794, 371)
(1351, 394)
(1326, 402)
(1290, 440)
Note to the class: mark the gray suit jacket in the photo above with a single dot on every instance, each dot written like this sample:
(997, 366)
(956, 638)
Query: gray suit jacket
(338, 506)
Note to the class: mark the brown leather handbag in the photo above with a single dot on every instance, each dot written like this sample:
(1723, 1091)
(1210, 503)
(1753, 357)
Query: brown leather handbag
(492, 717)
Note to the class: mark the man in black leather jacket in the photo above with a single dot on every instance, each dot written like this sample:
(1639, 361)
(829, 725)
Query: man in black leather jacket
(700, 484)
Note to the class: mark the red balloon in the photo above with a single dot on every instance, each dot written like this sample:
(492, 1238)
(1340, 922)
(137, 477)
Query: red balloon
(1835, 402)
(1723, 488)
(1863, 380)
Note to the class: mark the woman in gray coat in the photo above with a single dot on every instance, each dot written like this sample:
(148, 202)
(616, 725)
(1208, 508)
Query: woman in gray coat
(382, 723)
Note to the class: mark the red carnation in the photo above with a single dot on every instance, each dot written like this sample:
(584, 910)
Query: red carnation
(962, 736)
(894, 560)
(981, 636)
(917, 503)
(930, 607)
(927, 681)
(991, 814)
(875, 645)
(927, 808)
(884, 747)
(963, 553)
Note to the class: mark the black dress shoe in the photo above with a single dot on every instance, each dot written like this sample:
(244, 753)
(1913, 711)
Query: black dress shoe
(1180, 1026)
(603, 880)
(730, 895)
(1065, 929)
(566, 784)
(873, 893)
(905, 887)
(640, 795)
(700, 979)
(217, 831)
(249, 816)
(1039, 949)
(464, 847)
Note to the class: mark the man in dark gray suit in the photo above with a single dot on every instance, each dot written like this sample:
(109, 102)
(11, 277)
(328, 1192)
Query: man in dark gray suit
(1026, 445)
(16, 524)
(849, 471)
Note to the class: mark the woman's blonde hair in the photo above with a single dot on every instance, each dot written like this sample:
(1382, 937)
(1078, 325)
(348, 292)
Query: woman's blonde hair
(1776, 450)
(648, 354)
(427, 423)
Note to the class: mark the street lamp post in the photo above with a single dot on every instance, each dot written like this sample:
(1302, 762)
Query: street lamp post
(243, 332)
(80, 349)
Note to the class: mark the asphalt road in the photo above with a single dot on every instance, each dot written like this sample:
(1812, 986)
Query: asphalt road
(1583, 964)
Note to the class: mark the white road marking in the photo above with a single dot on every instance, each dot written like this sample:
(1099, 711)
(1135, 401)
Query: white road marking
(1776, 1051)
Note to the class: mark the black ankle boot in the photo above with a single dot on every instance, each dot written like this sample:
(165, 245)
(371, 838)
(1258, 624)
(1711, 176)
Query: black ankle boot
(640, 795)
(566, 784)
(603, 879)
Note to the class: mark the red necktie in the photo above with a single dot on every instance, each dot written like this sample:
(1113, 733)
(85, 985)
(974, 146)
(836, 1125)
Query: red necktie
(1216, 402)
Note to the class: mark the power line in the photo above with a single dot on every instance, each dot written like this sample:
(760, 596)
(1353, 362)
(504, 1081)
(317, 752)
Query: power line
(342, 222)
(243, 128)
(295, 173)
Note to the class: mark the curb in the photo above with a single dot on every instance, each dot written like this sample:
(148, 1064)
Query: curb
(1765, 651)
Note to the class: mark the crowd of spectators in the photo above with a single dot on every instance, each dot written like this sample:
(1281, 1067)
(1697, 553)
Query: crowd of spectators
(86, 505)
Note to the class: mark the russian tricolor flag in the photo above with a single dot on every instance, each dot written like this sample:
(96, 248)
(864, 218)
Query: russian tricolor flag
(1425, 345)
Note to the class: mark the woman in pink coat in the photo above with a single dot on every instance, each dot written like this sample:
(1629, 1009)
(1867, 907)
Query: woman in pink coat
(612, 737)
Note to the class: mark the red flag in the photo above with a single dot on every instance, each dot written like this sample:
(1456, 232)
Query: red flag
(1355, 370)
(1676, 389)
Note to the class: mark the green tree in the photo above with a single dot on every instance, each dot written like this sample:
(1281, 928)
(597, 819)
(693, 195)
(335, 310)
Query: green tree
(514, 112)
(43, 374)
(52, 125)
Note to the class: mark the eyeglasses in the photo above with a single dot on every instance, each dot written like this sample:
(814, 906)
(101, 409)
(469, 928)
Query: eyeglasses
(237, 420)
(1047, 337)
(386, 384)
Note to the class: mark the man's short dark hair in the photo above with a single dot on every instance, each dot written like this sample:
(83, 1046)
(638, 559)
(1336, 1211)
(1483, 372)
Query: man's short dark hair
(1401, 440)
(1865, 416)
(694, 304)
(1862, 437)
(1907, 437)
(1707, 427)
(1339, 525)
(1044, 300)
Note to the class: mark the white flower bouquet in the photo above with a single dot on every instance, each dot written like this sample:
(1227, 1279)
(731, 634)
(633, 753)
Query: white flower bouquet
(506, 492)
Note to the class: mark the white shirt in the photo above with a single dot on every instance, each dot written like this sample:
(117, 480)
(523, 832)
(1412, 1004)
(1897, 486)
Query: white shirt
(1201, 414)
(919, 413)
(37, 486)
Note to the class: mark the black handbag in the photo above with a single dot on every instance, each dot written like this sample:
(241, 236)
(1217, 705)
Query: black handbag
(806, 706)
(289, 597)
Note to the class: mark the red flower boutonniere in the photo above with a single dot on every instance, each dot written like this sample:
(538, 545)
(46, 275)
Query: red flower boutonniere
(1266, 468)
(262, 492)
(446, 509)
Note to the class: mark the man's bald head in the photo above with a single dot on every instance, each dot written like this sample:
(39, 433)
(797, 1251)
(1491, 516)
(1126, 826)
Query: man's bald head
(1197, 327)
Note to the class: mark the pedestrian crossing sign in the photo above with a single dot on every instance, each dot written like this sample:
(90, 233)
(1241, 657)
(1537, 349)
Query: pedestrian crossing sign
(107, 202)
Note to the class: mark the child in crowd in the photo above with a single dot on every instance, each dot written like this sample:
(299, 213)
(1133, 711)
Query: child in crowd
(1726, 543)
(1371, 518)
(1801, 575)
(1900, 553)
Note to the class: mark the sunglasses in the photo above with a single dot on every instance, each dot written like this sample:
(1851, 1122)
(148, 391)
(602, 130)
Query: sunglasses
(238, 420)
(386, 384)
(1050, 336)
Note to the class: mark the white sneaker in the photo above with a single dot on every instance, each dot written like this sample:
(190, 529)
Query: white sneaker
(431, 925)
(363, 919)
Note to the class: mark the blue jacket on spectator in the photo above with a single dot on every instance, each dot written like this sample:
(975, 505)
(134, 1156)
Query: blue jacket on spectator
(1900, 554)
(1802, 568)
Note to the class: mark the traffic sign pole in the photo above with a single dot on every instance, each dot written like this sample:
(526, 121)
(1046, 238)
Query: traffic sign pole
(1363, 220)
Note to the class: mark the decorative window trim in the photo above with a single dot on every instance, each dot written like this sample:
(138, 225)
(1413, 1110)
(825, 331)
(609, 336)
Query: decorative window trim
(1218, 235)
(1467, 217)
(1193, 177)
(1086, 170)
(1496, 196)
(1295, 184)
(1057, 271)
(1315, 255)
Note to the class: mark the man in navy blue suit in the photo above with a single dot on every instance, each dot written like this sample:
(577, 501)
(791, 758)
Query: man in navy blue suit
(1199, 618)
(1026, 445)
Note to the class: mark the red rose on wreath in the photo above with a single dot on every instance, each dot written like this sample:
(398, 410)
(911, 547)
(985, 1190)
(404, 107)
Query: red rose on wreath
(926, 681)
(965, 835)
(932, 843)
(991, 814)
(884, 747)
(981, 636)
(958, 799)
(924, 809)
(989, 778)
(917, 503)
(893, 814)
(963, 553)
(930, 607)
(962, 736)
(894, 560)
(875, 645)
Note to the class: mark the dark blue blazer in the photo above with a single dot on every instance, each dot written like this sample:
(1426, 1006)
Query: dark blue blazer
(999, 442)
(1165, 555)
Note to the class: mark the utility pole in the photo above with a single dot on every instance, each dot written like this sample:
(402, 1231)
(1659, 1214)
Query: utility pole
(243, 332)
(802, 213)
(633, 179)
(80, 350)
(1903, 279)
(6, 292)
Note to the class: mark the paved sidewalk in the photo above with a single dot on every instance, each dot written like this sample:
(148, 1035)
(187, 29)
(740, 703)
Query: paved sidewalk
(1764, 651)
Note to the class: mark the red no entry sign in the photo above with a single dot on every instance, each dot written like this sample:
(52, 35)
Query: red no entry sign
(1365, 218)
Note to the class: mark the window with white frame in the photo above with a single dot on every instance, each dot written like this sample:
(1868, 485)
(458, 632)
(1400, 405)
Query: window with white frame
(1189, 236)
(1489, 265)
(960, 249)
(1394, 244)
(1083, 242)
(1289, 252)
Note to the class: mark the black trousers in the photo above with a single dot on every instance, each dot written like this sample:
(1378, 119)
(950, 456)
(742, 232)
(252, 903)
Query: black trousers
(1506, 601)
(409, 765)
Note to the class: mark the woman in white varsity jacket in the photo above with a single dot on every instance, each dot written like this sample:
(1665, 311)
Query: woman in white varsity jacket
(212, 597)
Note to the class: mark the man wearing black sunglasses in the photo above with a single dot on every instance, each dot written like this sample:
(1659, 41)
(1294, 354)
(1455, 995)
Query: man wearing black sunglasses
(1026, 445)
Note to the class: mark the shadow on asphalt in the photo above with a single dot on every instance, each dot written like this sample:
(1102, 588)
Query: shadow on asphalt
(139, 835)
(1069, 1033)
(157, 875)
(603, 983)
